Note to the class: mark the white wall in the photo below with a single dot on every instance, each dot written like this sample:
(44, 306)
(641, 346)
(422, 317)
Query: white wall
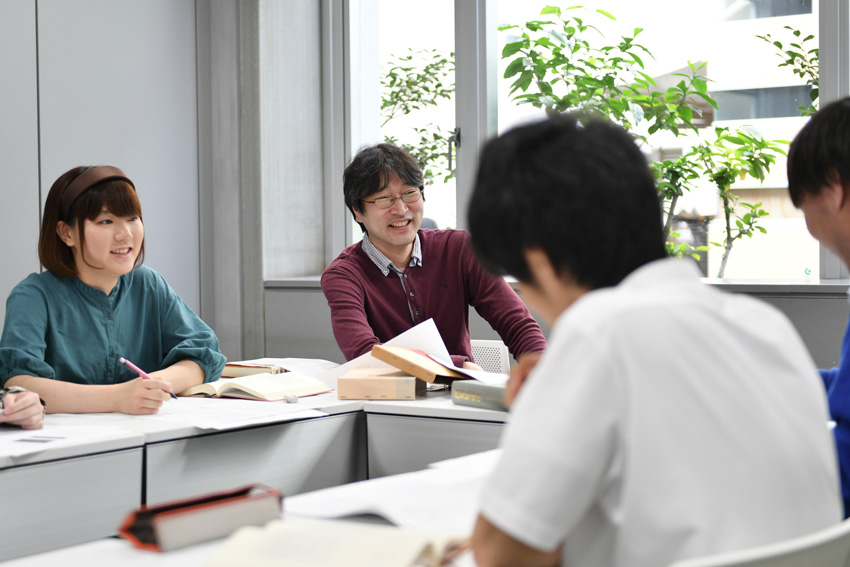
(116, 84)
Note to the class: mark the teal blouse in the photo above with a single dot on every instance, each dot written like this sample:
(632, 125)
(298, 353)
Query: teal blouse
(61, 328)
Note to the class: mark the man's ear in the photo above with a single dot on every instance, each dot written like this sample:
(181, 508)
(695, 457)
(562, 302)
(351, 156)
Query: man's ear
(836, 191)
(540, 266)
(65, 233)
(845, 191)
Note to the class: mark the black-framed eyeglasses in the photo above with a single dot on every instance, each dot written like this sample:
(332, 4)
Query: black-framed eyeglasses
(386, 202)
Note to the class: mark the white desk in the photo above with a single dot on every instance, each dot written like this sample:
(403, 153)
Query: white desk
(408, 436)
(454, 486)
(79, 493)
(70, 491)
(288, 451)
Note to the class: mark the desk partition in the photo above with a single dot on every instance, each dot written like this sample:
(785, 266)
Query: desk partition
(293, 457)
(56, 503)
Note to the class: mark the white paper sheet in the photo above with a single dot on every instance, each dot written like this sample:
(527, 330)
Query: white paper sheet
(480, 375)
(229, 413)
(445, 496)
(424, 337)
(15, 442)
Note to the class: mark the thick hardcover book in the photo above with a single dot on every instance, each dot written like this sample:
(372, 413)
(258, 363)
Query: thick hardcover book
(479, 394)
(239, 368)
(416, 363)
(378, 384)
(185, 522)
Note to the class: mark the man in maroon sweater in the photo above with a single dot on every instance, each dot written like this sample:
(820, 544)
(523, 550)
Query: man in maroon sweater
(399, 275)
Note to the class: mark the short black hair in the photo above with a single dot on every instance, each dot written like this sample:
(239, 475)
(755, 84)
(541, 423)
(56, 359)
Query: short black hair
(371, 170)
(583, 194)
(820, 153)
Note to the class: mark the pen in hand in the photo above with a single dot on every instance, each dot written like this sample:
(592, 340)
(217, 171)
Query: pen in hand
(139, 371)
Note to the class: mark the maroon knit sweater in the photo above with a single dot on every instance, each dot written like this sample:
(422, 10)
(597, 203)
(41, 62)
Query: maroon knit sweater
(368, 308)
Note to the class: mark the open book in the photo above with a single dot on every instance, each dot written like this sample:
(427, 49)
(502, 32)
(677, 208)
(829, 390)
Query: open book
(416, 363)
(333, 543)
(269, 387)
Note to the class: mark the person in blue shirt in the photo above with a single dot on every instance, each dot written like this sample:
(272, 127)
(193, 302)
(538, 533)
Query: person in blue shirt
(67, 327)
(819, 184)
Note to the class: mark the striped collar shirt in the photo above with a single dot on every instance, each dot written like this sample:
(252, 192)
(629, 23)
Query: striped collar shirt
(385, 264)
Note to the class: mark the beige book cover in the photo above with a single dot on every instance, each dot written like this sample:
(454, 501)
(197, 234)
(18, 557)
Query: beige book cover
(415, 363)
(239, 368)
(378, 384)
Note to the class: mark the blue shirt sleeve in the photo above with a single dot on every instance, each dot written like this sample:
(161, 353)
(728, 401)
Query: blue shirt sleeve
(185, 336)
(837, 383)
(22, 345)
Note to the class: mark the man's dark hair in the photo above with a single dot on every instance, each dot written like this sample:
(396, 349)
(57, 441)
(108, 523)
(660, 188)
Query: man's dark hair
(582, 194)
(820, 153)
(371, 170)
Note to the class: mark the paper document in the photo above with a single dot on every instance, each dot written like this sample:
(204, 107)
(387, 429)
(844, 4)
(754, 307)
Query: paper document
(424, 337)
(218, 413)
(15, 442)
(445, 496)
(481, 375)
(332, 544)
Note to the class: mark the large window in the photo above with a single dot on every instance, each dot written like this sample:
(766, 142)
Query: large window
(751, 91)
(406, 83)
(744, 75)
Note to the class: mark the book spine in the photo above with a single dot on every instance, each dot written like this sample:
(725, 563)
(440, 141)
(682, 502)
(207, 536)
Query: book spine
(478, 394)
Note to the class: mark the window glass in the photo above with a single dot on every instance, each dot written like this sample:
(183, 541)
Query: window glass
(751, 90)
(774, 102)
(413, 42)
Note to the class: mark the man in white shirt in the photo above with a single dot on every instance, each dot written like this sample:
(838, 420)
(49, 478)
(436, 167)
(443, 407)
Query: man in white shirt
(666, 419)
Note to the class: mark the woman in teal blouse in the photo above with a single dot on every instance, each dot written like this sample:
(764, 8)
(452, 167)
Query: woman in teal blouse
(67, 327)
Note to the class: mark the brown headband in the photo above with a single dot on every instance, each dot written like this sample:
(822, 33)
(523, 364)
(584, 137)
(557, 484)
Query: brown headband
(88, 179)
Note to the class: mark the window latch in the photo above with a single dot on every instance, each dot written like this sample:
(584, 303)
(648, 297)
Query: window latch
(454, 142)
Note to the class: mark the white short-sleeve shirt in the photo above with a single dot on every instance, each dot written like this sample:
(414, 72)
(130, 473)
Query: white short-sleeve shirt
(666, 420)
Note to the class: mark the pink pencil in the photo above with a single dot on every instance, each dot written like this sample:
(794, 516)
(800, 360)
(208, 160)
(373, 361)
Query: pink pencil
(139, 371)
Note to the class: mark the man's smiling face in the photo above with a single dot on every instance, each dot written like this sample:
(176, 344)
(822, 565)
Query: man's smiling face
(392, 230)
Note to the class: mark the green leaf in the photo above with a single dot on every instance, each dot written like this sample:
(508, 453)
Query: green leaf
(524, 80)
(551, 10)
(558, 37)
(607, 14)
(516, 66)
(636, 59)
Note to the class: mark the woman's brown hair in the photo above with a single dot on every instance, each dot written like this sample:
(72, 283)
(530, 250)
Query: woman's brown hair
(116, 194)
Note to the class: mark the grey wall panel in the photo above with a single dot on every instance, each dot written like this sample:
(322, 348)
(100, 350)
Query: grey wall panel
(19, 199)
(117, 85)
(298, 324)
(819, 320)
